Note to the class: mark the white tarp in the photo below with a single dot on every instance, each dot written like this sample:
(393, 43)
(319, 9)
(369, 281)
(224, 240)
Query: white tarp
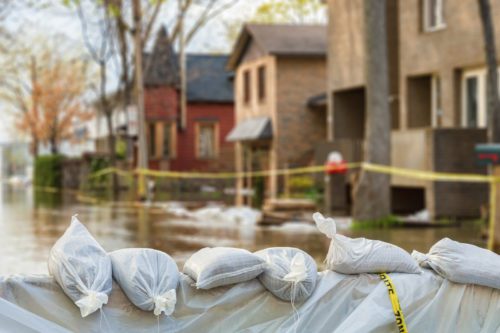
(340, 303)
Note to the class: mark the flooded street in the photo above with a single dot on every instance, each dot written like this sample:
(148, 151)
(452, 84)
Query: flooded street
(29, 228)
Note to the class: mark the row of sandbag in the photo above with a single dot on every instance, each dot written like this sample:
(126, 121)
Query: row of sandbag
(455, 261)
(149, 278)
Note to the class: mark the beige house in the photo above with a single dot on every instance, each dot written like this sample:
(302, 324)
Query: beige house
(280, 74)
(437, 95)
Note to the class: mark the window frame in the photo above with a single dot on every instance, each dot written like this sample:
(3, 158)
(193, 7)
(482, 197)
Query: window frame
(216, 148)
(436, 101)
(247, 86)
(481, 116)
(439, 12)
(152, 139)
(159, 140)
(262, 83)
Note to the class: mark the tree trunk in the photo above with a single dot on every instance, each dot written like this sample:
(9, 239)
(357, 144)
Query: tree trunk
(493, 111)
(139, 85)
(372, 192)
(125, 80)
(54, 150)
(34, 146)
(182, 68)
(493, 102)
(108, 114)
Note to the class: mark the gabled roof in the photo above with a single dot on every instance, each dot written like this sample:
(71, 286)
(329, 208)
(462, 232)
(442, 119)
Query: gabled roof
(161, 65)
(207, 79)
(281, 40)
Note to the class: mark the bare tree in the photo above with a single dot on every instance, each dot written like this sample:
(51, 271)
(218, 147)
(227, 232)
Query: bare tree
(372, 192)
(98, 33)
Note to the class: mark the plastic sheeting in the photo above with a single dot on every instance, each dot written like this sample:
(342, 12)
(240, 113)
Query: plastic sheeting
(340, 303)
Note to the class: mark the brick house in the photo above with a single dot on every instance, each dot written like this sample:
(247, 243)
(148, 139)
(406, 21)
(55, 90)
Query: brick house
(278, 68)
(437, 95)
(210, 111)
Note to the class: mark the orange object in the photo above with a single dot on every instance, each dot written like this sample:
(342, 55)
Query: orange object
(336, 167)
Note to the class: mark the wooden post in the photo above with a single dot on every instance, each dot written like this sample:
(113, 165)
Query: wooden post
(248, 169)
(286, 181)
(139, 85)
(494, 216)
(239, 169)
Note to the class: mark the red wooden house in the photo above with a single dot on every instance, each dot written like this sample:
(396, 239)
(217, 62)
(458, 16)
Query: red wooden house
(201, 146)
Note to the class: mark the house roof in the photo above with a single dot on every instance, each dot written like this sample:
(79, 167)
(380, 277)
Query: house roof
(281, 40)
(161, 66)
(257, 128)
(207, 79)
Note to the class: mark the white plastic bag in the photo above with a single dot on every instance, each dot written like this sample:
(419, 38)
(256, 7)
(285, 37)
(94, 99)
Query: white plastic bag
(462, 263)
(220, 266)
(360, 255)
(82, 268)
(290, 274)
(148, 277)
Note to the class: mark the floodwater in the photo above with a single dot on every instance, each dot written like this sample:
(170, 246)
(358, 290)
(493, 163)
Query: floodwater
(28, 229)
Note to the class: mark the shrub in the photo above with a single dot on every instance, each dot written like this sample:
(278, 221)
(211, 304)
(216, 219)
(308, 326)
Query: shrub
(48, 171)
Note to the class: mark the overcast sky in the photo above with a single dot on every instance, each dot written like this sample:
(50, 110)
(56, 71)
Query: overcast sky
(56, 19)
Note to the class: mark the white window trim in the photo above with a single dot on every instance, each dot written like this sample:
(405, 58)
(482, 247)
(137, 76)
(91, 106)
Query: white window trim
(437, 112)
(440, 15)
(481, 112)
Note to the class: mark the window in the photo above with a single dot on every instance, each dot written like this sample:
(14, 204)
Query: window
(168, 142)
(161, 136)
(246, 86)
(474, 98)
(206, 140)
(262, 83)
(433, 15)
(152, 139)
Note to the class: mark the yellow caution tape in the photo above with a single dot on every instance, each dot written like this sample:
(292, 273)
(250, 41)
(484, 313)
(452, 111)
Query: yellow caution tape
(390, 170)
(409, 173)
(396, 307)
(429, 175)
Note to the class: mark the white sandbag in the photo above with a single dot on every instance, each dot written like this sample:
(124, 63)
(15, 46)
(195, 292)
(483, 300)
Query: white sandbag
(360, 255)
(148, 277)
(82, 268)
(290, 274)
(220, 266)
(462, 263)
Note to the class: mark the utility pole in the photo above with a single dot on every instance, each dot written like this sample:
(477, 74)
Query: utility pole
(142, 162)
(182, 63)
(493, 116)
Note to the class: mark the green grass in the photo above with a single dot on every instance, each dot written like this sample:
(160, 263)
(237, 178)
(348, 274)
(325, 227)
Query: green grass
(383, 223)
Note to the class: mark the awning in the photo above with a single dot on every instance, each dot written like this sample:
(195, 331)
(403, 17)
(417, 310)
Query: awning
(258, 128)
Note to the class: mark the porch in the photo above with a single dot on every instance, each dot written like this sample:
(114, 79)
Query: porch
(427, 149)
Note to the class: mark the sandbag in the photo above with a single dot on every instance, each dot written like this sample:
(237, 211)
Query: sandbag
(148, 277)
(290, 273)
(220, 266)
(82, 268)
(360, 255)
(462, 263)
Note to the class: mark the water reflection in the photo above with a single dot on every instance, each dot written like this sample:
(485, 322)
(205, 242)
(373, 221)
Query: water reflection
(31, 222)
